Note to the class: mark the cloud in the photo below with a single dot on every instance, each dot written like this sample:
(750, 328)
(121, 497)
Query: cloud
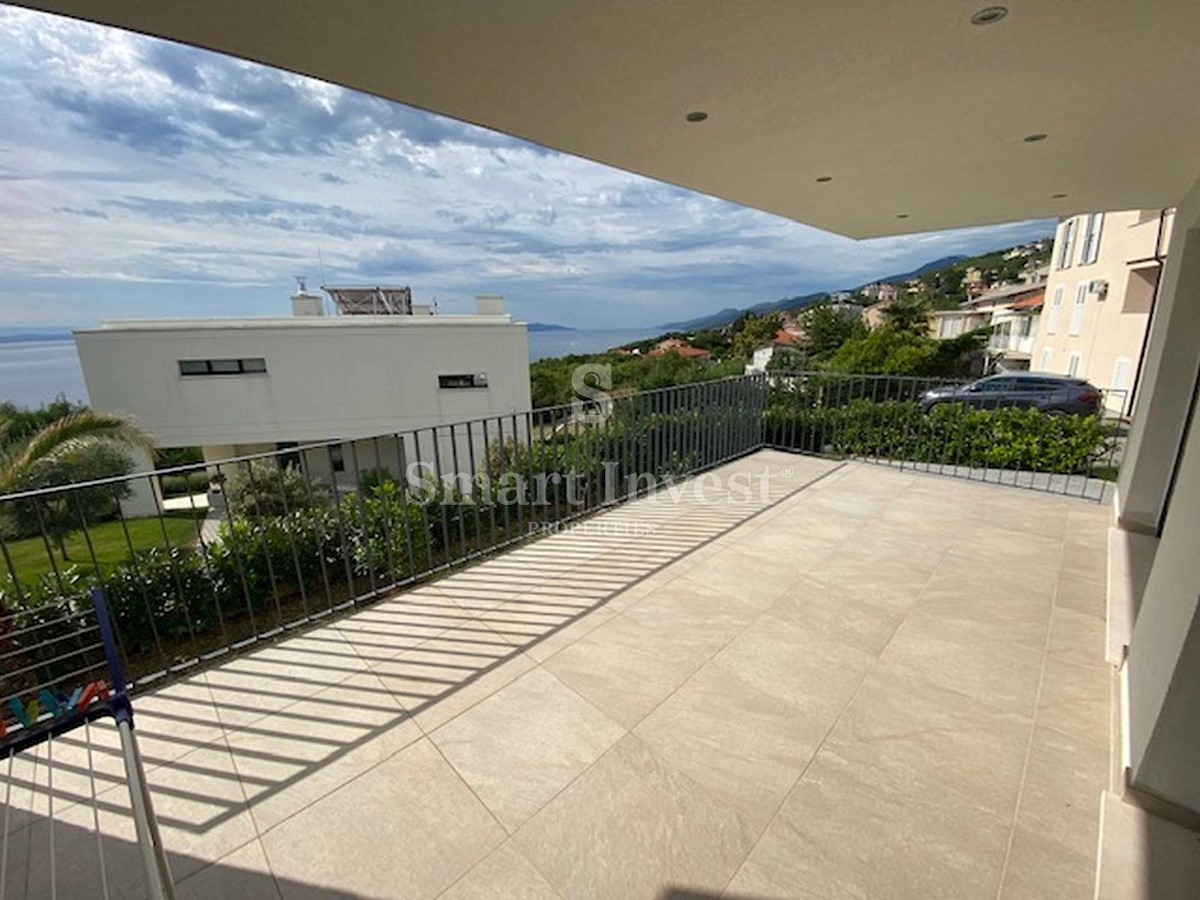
(171, 180)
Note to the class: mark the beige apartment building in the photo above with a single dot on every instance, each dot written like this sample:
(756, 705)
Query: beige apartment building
(1104, 276)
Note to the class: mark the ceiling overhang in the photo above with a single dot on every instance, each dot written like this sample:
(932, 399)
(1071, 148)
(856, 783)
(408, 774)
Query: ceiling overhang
(917, 117)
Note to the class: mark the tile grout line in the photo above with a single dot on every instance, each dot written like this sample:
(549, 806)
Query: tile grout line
(629, 732)
(808, 764)
(1037, 697)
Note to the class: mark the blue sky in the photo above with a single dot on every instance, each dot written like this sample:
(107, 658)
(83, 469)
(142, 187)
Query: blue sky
(143, 178)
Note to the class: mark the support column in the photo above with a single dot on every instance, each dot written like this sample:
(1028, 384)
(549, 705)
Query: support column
(1167, 378)
(1160, 491)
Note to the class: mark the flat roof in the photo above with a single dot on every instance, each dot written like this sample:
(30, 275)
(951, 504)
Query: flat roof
(300, 322)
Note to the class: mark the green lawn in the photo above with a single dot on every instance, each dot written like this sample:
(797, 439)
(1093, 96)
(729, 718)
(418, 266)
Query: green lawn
(108, 543)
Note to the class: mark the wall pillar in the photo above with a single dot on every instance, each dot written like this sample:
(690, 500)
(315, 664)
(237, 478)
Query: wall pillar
(1160, 491)
(1167, 378)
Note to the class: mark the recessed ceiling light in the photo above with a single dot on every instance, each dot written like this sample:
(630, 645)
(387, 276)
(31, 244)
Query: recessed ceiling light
(1057, 196)
(824, 178)
(901, 215)
(697, 116)
(989, 15)
(1033, 138)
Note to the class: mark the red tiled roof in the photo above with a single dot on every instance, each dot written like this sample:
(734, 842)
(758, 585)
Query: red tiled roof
(1033, 301)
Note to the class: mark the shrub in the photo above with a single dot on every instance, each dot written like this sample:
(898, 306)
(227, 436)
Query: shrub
(262, 488)
(952, 435)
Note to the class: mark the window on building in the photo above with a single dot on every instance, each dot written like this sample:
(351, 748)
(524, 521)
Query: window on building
(1122, 369)
(1073, 364)
(1089, 245)
(1066, 246)
(463, 381)
(289, 458)
(337, 458)
(1055, 311)
(1047, 359)
(251, 366)
(1076, 323)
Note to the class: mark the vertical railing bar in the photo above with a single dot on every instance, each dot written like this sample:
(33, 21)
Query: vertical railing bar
(322, 523)
(447, 556)
(359, 501)
(259, 528)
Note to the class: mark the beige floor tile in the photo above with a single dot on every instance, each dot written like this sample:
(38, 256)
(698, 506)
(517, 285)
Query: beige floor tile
(899, 722)
(426, 674)
(292, 758)
(629, 665)
(252, 686)
(525, 743)
(563, 636)
(1060, 800)
(804, 669)
(1039, 869)
(631, 826)
(744, 572)
(505, 875)
(745, 746)
(849, 831)
(242, 875)
(864, 619)
(1076, 700)
(990, 610)
(408, 828)
(977, 661)
(1083, 595)
(380, 631)
(434, 714)
(1077, 638)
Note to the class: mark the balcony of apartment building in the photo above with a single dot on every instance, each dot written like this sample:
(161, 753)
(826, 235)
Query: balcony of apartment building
(883, 672)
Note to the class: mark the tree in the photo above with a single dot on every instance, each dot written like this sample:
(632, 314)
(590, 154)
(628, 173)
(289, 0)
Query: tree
(909, 316)
(70, 437)
(826, 329)
(750, 332)
(79, 446)
(263, 488)
(58, 514)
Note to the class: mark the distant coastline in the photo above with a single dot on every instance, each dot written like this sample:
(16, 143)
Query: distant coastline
(547, 326)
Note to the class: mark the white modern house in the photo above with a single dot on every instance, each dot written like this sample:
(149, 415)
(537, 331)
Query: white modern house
(378, 367)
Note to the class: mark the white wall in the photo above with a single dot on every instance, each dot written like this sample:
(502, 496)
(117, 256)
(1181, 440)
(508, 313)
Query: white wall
(1163, 664)
(326, 378)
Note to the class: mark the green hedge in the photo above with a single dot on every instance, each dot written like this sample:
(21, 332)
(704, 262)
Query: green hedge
(1008, 438)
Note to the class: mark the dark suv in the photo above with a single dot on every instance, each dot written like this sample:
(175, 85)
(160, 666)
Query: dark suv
(1052, 394)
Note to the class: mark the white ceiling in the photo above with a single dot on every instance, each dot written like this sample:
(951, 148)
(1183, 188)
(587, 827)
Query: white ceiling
(910, 108)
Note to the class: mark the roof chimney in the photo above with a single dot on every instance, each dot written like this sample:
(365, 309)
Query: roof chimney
(489, 305)
(306, 304)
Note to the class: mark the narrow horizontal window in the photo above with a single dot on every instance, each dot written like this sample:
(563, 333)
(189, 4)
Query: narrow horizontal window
(255, 365)
(462, 381)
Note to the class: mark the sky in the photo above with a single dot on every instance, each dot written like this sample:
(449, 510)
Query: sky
(142, 178)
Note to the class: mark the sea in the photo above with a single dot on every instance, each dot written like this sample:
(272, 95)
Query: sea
(38, 365)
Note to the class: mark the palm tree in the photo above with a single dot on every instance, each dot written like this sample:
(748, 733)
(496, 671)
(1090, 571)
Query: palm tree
(72, 436)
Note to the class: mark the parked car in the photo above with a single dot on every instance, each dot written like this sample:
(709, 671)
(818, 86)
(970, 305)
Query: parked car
(1052, 394)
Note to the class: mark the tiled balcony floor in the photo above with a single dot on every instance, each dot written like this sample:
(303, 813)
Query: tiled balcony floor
(868, 683)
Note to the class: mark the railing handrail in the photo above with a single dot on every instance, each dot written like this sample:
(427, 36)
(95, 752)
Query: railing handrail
(230, 461)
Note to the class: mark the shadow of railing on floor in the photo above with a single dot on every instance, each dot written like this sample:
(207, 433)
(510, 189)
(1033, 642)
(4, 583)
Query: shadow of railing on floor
(361, 677)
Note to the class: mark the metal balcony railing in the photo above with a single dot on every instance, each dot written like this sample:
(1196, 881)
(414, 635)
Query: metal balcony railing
(286, 538)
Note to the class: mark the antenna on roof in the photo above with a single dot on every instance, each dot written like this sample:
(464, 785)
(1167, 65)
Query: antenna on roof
(321, 266)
